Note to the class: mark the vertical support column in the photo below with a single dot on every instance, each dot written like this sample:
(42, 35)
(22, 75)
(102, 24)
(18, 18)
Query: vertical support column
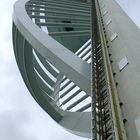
(102, 124)
(95, 43)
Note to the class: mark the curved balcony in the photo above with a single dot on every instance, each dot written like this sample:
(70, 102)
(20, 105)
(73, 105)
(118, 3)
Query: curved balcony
(53, 51)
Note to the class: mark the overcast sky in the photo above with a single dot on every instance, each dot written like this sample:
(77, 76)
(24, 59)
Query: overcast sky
(21, 118)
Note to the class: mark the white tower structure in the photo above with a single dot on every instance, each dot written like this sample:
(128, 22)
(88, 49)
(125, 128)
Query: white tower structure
(80, 60)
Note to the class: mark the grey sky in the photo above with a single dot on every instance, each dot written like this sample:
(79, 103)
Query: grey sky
(21, 118)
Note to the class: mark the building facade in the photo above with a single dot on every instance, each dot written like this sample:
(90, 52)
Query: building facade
(80, 61)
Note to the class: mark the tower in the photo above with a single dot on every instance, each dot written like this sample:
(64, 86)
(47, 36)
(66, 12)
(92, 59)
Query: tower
(76, 58)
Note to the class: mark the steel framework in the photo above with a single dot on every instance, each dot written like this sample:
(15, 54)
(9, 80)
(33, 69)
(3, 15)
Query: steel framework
(61, 48)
